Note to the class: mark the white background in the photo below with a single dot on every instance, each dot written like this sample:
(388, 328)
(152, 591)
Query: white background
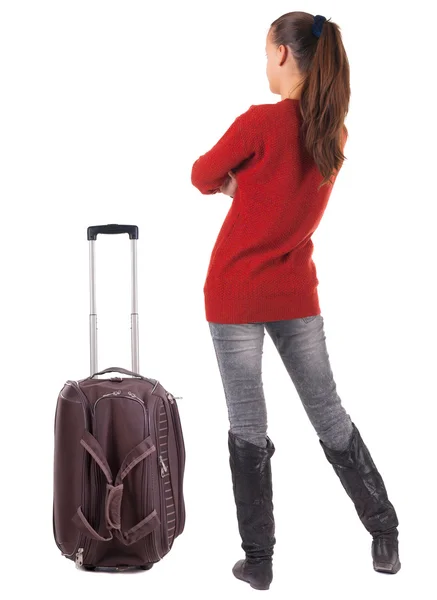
(104, 108)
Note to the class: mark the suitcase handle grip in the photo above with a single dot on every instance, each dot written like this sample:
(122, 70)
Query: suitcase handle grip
(119, 370)
(94, 230)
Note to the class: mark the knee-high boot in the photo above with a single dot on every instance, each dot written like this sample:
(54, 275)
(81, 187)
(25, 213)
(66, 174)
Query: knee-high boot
(252, 486)
(364, 485)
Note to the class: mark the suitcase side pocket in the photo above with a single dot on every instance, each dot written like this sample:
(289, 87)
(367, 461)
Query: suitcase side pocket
(69, 469)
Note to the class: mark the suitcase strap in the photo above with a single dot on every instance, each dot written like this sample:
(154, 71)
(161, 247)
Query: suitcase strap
(114, 493)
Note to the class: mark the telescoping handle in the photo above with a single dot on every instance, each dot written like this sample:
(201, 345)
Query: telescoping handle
(92, 233)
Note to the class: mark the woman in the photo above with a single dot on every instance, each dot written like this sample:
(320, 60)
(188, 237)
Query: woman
(279, 162)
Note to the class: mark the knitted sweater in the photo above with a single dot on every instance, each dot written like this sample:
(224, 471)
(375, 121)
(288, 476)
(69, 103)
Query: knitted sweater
(261, 267)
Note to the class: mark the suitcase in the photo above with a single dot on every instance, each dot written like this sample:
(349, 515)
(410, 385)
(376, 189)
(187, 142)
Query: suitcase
(119, 455)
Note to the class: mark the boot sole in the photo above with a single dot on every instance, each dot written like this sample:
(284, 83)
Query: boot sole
(252, 585)
(387, 568)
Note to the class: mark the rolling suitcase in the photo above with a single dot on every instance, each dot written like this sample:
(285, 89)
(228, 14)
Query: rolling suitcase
(119, 455)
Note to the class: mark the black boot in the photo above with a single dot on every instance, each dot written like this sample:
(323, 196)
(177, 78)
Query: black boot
(364, 485)
(252, 485)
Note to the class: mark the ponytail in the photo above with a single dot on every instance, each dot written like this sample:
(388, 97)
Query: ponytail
(318, 49)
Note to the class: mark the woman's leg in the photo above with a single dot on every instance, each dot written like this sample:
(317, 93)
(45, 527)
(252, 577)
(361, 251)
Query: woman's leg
(239, 351)
(301, 344)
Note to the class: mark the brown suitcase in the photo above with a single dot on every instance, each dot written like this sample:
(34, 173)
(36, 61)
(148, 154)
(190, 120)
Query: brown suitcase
(119, 456)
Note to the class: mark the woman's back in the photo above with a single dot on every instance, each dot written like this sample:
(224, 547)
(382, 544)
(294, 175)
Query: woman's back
(261, 267)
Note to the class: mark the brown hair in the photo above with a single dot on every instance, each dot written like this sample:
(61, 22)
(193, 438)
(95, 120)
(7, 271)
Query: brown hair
(324, 100)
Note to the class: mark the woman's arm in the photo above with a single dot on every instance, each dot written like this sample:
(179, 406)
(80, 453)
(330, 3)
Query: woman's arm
(210, 172)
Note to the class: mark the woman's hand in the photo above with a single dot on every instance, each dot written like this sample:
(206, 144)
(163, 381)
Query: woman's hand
(229, 187)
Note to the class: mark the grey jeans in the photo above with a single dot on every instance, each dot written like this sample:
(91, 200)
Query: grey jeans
(301, 343)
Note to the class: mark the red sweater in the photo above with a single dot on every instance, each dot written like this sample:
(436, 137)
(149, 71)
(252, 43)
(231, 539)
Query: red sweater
(261, 267)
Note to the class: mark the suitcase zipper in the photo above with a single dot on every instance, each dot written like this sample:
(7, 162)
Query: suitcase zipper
(163, 470)
(178, 433)
(118, 393)
(151, 495)
(79, 558)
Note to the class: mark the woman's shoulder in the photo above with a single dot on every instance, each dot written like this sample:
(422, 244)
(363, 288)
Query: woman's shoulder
(286, 106)
(263, 107)
(258, 112)
(265, 115)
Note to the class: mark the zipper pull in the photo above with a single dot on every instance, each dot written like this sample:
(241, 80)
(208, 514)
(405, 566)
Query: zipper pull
(173, 398)
(79, 558)
(164, 469)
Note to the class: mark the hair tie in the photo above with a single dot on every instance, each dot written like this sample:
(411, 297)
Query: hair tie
(318, 24)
